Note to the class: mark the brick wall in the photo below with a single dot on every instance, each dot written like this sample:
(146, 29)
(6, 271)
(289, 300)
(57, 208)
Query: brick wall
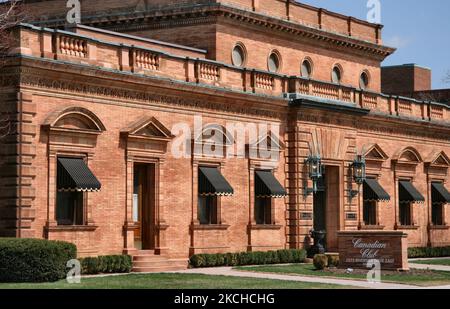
(405, 79)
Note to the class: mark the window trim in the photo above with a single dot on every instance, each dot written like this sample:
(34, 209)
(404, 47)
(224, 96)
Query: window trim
(84, 194)
(244, 54)
(220, 222)
(341, 74)
(367, 74)
(311, 67)
(411, 206)
(255, 198)
(442, 205)
(280, 61)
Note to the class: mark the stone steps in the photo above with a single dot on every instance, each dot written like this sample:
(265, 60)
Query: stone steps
(148, 262)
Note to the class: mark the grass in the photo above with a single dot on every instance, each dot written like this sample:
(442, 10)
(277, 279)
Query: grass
(172, 281)
(415, 277)
(444, 262)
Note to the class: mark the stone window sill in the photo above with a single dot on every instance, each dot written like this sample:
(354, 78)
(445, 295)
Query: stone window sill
(439, 227)
(372, 227)
(265, 227)
(408, 227)
(72, 228)
(209, 227)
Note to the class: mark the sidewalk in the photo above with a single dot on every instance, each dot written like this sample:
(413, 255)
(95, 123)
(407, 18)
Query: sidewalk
(228, 271)
(428, 266)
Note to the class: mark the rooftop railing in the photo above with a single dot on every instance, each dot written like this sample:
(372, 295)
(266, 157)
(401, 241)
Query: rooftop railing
(76, 48)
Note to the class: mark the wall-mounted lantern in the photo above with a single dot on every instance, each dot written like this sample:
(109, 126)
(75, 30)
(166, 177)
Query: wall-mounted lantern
(315, 172)
(358, 173)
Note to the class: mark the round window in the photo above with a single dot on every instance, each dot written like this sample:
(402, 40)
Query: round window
(274, 62)
(238, 56)
(336, 75)
(364, 80)
(306, 69)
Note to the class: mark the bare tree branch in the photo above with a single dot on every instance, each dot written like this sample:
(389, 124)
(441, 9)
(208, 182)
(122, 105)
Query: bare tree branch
(12, 12)
(447, 77)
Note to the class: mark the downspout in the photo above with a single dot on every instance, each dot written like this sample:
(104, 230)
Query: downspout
(19, 132)
(429, 205)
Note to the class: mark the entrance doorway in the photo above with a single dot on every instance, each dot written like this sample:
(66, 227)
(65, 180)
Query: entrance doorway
(327, 206)
(144, 201)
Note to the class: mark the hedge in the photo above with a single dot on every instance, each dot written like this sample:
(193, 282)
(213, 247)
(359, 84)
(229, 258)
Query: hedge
(109, 264)
(247, 258)
(428, 252)
(34, 260)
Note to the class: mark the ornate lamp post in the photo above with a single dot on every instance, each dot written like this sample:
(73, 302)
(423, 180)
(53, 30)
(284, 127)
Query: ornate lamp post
(359, 173)
(359, 170)
(315, 171)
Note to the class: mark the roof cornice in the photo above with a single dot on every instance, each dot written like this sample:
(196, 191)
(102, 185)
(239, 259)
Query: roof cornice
(202, 14)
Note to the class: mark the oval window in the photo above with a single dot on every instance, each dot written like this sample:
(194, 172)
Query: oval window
(274, 62)
(306, 69)
(364, 80)
(238, 56)
(336, 75)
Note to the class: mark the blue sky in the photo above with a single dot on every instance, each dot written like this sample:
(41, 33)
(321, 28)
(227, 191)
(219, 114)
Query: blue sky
(418, 29)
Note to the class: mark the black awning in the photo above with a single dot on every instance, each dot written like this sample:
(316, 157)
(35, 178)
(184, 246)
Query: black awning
(373, 191)
(75, 175)
(439, 193)
(408, 193)
(212, 182)
(266, 185)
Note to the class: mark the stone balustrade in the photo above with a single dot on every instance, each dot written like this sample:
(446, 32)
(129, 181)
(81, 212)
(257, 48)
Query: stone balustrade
(70, 47)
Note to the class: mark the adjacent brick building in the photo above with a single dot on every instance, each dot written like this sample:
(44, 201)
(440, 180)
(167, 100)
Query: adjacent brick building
(98, 111)
(413, 81)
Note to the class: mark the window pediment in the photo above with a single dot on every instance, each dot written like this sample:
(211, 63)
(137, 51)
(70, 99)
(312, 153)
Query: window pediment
(146, 137)
(408, 156)
(214, 134)
(438, 159)
(375, 153)
(149, 128)
(74, 119)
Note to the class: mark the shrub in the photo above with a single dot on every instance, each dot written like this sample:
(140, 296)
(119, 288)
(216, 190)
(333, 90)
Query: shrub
(333, 260)
(247, 258)
(231, 259)
(106, 264)
(34, 260)
(426, 252)
(320, 261)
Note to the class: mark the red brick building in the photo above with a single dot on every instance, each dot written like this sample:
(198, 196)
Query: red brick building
(98, 111)
(413, 81)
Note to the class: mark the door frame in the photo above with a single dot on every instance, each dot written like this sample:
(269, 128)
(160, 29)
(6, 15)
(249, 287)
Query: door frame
(146, 205)
(339, 166)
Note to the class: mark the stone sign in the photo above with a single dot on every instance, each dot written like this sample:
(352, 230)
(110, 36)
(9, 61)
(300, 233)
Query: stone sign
(357, 248)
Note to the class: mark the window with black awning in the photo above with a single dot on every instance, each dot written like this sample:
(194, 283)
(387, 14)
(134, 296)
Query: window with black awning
(373, 191)
(408, 193)
(266, 185)
(74, 175)
(439, 193)
(212, 182)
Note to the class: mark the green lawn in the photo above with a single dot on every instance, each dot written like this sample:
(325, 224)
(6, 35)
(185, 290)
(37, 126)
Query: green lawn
(415, 277)
(445, 262)
(173, 281)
